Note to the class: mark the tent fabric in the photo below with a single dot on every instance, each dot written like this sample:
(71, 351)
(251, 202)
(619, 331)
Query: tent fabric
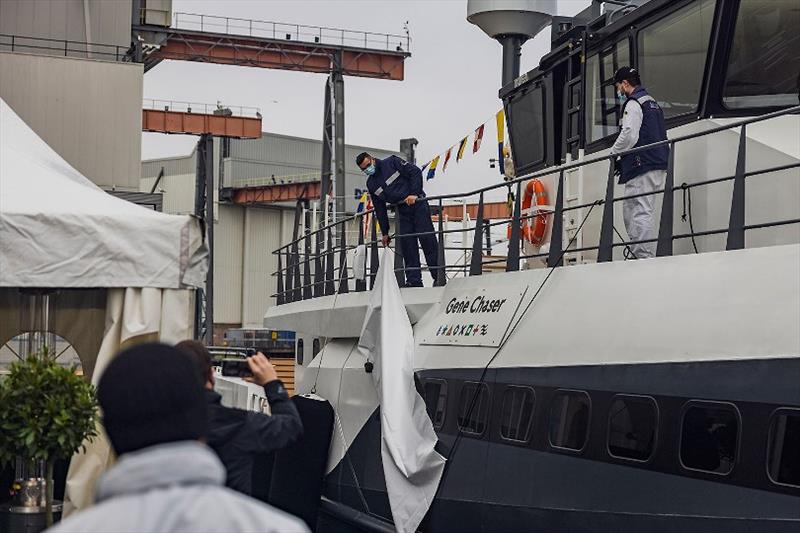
(133, 316)
(58, 229)
(411, 466)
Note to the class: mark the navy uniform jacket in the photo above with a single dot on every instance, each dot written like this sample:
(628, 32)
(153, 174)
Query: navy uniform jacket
(394, 180)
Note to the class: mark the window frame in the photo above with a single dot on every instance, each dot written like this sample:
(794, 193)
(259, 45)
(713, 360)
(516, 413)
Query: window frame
(657, 428)
(539, 83)
(464, 429)
(444, 407)
(711, 403)
(591, 146)
(588, 423)
(772, 417)
(527, 440)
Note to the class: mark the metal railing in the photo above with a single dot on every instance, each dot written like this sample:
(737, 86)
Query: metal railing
(329, 258)
(201, 108)
(63, 47)
(292, 32)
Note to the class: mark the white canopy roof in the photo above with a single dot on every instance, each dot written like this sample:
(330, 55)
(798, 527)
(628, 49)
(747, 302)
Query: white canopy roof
(58, 229)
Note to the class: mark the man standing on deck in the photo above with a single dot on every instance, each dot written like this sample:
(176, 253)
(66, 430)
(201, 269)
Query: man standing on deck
(394, 181)
(640, 172)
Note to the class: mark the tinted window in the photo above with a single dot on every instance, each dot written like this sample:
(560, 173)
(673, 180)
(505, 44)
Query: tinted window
(299, 352)
(602, 108)
(569, 420)
(632, 426)
(764, 64)
(526, 127)
(672, 57)
(517, 414)
(315, 347)
(436, 400)
(709, 437)
(783, 461)
(473, 408)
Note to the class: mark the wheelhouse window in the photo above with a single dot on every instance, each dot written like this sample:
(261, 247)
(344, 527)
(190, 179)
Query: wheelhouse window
(436, 400)
(569, 420)
(632, 427)
(516, 417)
(299, 352)
(672, 57)
(783, 460)
(709, 437)
(602, 106)
(526, 127)
(473, 408)
(764, 63)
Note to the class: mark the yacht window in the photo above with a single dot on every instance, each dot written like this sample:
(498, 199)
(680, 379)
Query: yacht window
(632, 427)
(602, 116)
(526, 127)
(764, 63)
(709, 437)
(315, 347)
(569, 420)
(473, 421)
(436, 400)
(672, 57)
(517, 414)
(298, 355)
(784, 447)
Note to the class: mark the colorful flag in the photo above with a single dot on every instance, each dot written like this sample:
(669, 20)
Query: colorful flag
(476, 144)
(362, 203)
(500, 119)
(425, 166)
(461, 146)
(432, 170)
(446, 158)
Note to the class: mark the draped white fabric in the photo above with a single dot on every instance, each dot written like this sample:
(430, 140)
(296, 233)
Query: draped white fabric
(411, 465)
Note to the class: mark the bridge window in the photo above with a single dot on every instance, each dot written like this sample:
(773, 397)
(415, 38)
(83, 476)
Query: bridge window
(764, 64)
(672, 57)
(527, 128)
(632, 426)
(517, 414)
(473, 408)
(709, 437)
(569, 420)
(784, 447)
(436, 400)
(299, 352)
(602, 115)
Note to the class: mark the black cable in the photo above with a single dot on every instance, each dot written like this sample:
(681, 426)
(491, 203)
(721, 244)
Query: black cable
(687, 192)
(482, 379)
(627, 253)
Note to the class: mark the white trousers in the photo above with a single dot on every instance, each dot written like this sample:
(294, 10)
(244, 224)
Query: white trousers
(638, 212)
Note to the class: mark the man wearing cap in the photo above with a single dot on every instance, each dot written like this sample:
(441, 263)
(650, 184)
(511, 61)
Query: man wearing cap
(166, 479)
(394, 181)
(644, 171)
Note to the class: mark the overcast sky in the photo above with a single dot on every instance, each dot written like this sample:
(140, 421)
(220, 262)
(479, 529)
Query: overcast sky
(450, 87)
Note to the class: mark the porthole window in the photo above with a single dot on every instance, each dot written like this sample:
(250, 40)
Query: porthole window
(709, 437)
(783, 458)
(473, 408)
(516, 417)
(436, 400)
(632, 427)
(569, 420)
(299, 352)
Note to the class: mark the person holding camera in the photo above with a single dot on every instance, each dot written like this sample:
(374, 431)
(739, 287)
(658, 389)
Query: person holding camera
(236, 435)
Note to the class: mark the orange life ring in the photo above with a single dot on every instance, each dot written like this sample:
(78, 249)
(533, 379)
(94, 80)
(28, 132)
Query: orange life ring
(534, 232)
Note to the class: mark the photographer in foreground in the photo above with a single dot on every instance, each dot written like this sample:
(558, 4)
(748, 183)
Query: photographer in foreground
(238, 436)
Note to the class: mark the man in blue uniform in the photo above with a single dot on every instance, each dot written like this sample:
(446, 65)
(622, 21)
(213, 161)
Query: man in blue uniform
(394, 181)
(640, 172)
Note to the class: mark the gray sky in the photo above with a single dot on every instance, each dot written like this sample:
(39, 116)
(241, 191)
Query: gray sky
(450, 87)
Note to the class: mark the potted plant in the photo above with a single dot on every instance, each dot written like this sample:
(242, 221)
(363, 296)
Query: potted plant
(46, 413)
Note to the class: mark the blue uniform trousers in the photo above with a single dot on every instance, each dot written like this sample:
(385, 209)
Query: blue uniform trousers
(417, 219)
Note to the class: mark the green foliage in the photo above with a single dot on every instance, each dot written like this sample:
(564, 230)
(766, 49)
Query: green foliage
(46, 411)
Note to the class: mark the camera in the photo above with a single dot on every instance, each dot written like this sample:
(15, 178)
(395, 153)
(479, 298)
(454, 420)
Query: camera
(237, 368)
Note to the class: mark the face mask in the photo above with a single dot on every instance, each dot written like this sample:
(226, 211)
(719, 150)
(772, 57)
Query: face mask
(621, 96)
(370, 170)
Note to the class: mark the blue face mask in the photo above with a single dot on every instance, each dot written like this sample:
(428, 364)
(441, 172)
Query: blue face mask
(370, 170)
(621, 97)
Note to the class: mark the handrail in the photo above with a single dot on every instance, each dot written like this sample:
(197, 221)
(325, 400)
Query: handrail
(324, 282)
(20, 43)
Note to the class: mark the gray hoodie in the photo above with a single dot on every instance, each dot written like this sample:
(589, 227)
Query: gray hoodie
(174, 487)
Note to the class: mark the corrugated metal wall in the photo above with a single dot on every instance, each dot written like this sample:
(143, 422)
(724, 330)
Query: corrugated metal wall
(172, 165)
(261, 238)
(177, 191)
(228, 245)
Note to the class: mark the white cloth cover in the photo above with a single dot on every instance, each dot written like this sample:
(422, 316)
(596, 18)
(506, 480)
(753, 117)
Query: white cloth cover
(411, 465)
(58, 229)
(132, 316)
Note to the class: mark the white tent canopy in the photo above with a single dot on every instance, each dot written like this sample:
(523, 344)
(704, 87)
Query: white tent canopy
(58, 229)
